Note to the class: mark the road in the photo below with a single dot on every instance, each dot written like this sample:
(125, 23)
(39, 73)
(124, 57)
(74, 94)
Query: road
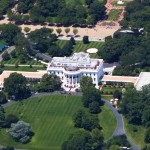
(120, 124)
(9, 50)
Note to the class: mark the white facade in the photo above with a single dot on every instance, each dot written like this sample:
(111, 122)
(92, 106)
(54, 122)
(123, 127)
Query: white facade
(71, 69)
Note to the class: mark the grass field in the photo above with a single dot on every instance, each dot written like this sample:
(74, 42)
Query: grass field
(80, 47)
(136, 137)
(17, 61)
(114, 14)
(51, 120)
(23, 68)
(107, 122)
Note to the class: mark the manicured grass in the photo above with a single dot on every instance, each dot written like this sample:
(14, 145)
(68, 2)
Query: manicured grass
(17, 61)
(114, 14)
(136, 137)
(80, 47)
(23, 68)
(51, 119)
(107, 122)
(107, 97)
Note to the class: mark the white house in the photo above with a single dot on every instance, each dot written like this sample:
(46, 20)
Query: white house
(71, 69)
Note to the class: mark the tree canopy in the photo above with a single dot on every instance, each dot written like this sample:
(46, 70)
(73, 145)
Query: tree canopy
(16, 85)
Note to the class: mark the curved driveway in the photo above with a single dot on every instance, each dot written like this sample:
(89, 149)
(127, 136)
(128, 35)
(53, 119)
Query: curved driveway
(120, 125)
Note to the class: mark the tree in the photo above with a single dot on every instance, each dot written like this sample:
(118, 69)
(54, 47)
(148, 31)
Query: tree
(75, 31)
(59, 30)
(147, 136)
(9, 32)
(21, 131)
(91, 94)
(13, 54)
(10, 119)
(50, 82)
(27, 29)
(94, 107)
(86, 82)
(86, 120)
(80, 140)
(16, 85)
(97, 139)
(72, 40)
(85, 40)
(3, 98)
(2, 116)
(8, 148)
(67, 30)
(5, 56)
(117, 94)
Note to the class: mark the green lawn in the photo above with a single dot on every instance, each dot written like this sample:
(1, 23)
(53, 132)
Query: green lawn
(17, 61)
(107, 97)
(136, 137)
(107, 122)
(114, 14)
(51, 120)
(80, 47)
(23, 68)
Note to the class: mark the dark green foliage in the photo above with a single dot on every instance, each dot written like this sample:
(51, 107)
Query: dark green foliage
(91, 94)
(3, 98)
(120, 141)
(49, 83)
(146, 147)
(9, 32)
(42, 39)
(72, 40)
(86, 82)
(2, 116)
(59, 11)
(135, 104)
(117, 94)
(13, 54)
(86, 120)
(16, 85)
(147, 136)
(94, 107)
(10, 119)
(83, 140)
(5, 56)
(85, 39)
(8, 148)
(77, 141)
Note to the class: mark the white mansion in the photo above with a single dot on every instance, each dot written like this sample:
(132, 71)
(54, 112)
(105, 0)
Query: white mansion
(71, 69)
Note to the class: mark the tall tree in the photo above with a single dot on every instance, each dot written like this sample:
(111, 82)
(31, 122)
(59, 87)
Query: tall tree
(16, 85)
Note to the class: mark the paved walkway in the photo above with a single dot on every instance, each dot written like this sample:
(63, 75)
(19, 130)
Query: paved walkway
(120, 124)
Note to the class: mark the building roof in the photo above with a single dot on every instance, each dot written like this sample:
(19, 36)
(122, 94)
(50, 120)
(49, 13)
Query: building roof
(144, 79)
(120, 79)
(6, 74)
(77, 60)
